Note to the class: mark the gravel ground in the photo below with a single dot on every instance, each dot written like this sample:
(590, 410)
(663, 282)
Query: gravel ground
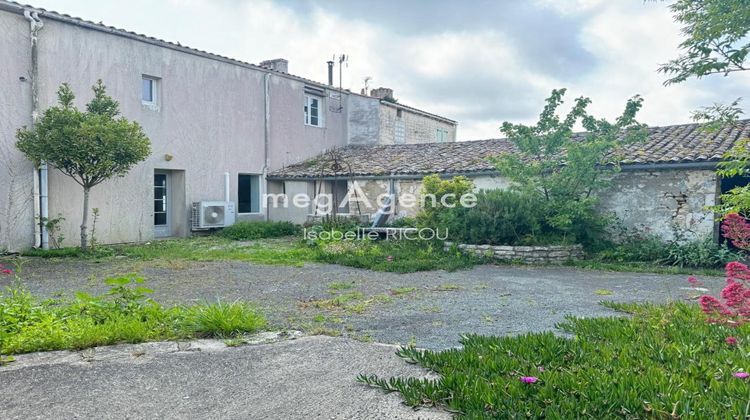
(486, 299)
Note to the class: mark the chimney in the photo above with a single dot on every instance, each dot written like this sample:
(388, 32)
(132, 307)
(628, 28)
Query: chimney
(277, 64)
(382, 93)
(330, 73)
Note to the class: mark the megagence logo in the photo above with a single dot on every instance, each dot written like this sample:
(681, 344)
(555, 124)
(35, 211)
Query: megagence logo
(325, 202)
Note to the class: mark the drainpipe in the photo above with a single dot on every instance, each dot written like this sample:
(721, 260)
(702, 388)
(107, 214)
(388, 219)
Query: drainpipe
(42, 212)
(266, 135)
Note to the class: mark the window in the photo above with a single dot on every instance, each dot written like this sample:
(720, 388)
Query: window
(248, 194)
(148, 90)
(399, 132)
(441, 136)
(313, 114)
(399, 113)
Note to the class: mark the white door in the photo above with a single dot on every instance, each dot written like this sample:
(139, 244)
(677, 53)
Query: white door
(161, 204)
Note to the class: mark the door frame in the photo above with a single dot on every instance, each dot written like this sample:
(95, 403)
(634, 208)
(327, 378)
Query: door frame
(165, 230)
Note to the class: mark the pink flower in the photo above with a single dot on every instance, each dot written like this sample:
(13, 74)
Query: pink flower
(741, 375)
(694, 281)
(389, 258)
(528, 379)
(7, 271)
(731, 341)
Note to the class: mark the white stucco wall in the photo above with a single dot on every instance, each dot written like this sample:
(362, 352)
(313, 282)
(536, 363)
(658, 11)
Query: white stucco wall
(16, 173)
(210, 120)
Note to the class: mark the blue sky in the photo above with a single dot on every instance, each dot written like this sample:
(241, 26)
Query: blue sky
(479, 62)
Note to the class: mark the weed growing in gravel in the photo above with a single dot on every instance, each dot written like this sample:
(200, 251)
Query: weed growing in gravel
(663, 362)
(125, 314)
(401, 291)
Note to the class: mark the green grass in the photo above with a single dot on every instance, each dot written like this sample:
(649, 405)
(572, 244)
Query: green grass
(401, 291)
(643, 267)
(393, 256)
(661, 362)
(244, 231)
(123, 315)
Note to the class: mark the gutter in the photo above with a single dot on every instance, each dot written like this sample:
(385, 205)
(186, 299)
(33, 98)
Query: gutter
(41, 213)
(266, 136)
(631, 167)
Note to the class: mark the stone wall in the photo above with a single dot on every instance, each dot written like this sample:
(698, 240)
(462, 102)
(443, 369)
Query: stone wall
(417, 128)
(553, 254)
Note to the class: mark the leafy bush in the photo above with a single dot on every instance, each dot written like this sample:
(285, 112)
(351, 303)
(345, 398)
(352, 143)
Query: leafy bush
(435, 192)
(125, 314)
(501, 217)
(680, 253)
(663, 362)
(245, 231)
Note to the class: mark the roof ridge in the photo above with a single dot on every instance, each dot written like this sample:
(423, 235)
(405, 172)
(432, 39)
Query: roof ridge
(190, 50)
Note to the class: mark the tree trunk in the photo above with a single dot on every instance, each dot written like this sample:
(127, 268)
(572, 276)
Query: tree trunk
(85, 221)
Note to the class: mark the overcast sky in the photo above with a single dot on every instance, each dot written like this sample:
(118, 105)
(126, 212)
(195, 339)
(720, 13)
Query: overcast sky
(479, 62)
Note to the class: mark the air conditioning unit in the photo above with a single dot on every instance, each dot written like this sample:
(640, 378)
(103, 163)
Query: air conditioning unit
(212, 214)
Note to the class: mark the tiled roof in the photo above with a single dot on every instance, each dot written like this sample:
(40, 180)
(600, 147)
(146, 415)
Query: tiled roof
(665, 145)
(9, 5)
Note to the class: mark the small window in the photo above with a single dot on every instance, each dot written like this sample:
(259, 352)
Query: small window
(248, 194)
(399, 113)
(148, 90)
(399, 132)
(313, 114)
(441, 135)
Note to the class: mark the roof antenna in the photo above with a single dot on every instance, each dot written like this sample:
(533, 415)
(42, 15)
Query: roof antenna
(367, 85)
(343, 60)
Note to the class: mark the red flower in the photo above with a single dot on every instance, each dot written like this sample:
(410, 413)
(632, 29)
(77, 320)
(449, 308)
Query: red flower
(731, 341)
(7, 271)
(737, 230)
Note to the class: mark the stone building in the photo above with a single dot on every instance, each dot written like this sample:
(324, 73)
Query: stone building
(665, 186)
(217, 125)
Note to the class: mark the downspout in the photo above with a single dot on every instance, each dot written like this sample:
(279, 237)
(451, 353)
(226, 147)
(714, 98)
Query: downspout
(42, 212)
(266, 136)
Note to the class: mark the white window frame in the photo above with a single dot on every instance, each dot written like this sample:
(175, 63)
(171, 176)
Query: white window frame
(321, 110)
(154, 102)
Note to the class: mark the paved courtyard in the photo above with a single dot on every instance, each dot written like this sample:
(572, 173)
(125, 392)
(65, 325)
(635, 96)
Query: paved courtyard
(307, 377)
(431, 309)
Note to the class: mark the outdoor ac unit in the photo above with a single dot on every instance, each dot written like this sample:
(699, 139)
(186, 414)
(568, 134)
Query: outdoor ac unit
(212, 214)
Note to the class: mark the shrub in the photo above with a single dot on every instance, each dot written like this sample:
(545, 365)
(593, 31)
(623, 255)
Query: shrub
(662, 362)
(735, 228)
(435, 191)
(501, 217)
(733, 308)
(698, 253)
(245, 231)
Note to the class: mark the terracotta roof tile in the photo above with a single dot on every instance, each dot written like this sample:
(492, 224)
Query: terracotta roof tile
(670, 144)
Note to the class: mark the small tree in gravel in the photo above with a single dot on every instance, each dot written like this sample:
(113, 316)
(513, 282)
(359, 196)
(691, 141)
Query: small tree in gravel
(90, 146)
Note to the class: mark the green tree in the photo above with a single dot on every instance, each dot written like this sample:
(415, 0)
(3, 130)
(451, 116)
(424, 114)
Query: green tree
(567, 169)
(717, 41)
(716, 38)
(90, 146)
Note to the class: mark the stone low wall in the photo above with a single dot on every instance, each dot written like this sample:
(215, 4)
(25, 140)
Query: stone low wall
(553, 254)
